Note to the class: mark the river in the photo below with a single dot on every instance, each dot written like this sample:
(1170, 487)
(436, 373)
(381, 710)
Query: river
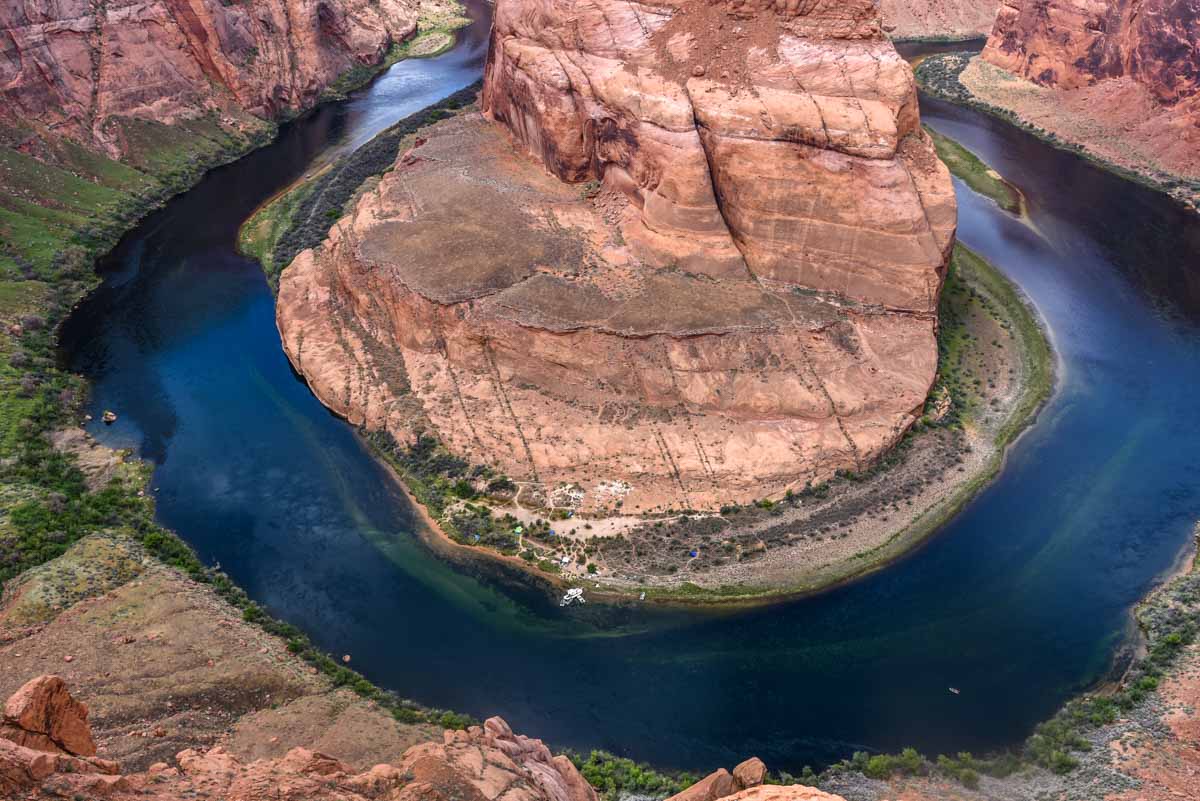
(1020, 602)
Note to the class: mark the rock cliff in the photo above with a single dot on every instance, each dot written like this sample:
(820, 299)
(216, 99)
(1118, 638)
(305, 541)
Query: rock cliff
(725, 287)
(1070, 43)
(482, 763)
(83, 69)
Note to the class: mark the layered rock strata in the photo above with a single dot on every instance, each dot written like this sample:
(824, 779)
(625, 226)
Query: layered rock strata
(1132, 67)
(80, 68)
(722, 285)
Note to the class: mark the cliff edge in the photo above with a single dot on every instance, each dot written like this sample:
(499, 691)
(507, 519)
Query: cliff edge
(689, 253)
(1122, 79)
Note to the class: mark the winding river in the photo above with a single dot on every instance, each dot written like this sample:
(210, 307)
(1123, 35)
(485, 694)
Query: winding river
(1020, 602)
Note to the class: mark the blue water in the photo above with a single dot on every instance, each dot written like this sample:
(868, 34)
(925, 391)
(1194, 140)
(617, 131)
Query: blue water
(1019, 602)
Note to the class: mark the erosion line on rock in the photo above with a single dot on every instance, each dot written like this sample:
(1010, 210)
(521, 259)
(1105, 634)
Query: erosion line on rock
(498, 385)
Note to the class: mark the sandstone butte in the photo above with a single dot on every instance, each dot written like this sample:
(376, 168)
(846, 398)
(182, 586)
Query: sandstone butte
(82, 70)
(46, 751)
(1135, 64)
(938, 19)
(689, 253)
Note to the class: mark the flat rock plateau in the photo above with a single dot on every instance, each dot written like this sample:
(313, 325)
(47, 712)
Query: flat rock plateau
(688, 254)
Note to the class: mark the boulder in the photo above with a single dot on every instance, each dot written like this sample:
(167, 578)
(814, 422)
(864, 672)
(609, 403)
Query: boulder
(43, 716)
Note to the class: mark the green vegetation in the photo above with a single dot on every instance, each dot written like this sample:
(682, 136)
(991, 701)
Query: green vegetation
(974, 173)
(616, 777)
(1167, 619)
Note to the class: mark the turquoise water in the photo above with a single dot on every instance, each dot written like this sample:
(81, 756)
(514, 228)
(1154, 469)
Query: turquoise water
(1019, 602)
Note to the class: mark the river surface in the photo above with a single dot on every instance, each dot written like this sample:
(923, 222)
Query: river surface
(1020, 602)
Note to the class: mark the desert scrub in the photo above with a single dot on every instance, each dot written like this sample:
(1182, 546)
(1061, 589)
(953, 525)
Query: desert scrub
(616, 777)
(974, 173)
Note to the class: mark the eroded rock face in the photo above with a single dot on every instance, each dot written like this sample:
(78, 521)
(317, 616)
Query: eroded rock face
(726, 285)
(1072, 43)
(81, 67)
(920, 19)
(480, 764)
(758, 142)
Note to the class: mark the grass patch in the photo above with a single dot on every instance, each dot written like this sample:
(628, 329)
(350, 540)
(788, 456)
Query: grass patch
(974, 173)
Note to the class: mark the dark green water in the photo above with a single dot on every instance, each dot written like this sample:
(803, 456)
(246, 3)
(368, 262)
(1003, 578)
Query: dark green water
(1020, 602)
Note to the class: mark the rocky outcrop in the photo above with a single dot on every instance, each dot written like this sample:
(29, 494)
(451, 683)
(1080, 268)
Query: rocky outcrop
(1121, 79)
(84, 69)
(43, 716)
(754, 142)
(480, 764)
(935, 19)
(1070, 43)
(725, 287)
(721, 783)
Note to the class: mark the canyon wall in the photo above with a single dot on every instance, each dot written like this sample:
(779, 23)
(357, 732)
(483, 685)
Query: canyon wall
(79, 68)
(480, 763)
(692, 255)
(936, 19)
(1120, 79)
(1073, 43)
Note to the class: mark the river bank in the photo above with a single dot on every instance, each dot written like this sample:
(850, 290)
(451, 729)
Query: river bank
(58, 487)
(1050, 115)
(997, 371)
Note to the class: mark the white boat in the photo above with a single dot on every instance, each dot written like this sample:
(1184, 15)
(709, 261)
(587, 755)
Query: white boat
(955, 690)
(574, 595)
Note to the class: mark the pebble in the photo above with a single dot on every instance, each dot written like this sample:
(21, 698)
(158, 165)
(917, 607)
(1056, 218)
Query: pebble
(68, 658)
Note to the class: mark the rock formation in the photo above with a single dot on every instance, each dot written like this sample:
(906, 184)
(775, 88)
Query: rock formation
(926, 19)
(1125, 75)
(1069, 43)
(84, 69)
(726, 286)
(482, 763)
(43, 716)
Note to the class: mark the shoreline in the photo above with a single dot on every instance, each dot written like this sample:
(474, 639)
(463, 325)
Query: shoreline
(1032, 398)
(945, 84)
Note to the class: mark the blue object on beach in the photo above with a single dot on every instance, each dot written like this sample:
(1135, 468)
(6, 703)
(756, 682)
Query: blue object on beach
(551, 532)
(693, 553)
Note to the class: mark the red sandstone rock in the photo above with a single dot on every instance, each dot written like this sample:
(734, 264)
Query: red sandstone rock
(82, 68)
(1072, 43)
(806, 165)
(43, 716)
(742, 302)
(1127, 74)
(750, 773)
(481, 764)
(775, 792)
(722, 784)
